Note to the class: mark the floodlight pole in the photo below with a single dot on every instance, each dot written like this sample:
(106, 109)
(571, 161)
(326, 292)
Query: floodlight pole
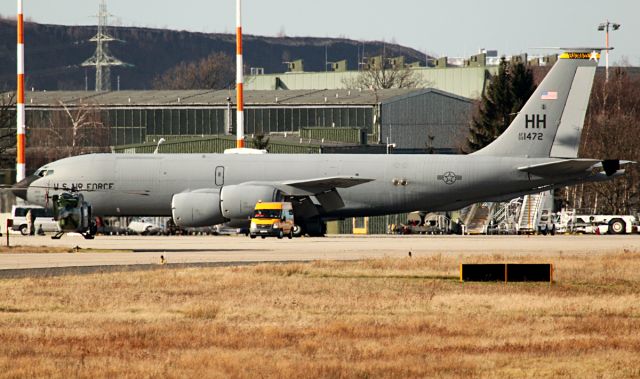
(605, 26)
(606, 59)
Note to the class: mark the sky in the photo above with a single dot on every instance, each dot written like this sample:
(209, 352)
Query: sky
(452, 28)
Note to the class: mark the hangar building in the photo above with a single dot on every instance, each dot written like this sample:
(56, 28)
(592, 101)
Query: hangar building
(409, 118)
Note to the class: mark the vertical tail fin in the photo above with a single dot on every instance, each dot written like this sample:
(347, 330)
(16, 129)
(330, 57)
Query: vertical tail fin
(550, 123)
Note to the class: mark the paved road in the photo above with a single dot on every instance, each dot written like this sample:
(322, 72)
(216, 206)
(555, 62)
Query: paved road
(189, 250)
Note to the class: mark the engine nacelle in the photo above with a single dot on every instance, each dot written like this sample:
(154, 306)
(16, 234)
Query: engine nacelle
(197, 208)
(239, 201)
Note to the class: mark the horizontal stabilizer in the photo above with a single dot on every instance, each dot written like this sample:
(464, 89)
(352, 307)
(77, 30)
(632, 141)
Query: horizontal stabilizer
(561, 168)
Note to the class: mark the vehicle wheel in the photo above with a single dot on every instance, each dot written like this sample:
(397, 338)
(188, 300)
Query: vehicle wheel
(290, 235)
(24, 230)
(617, 226)
(280, 234)
(263, 237)
(253, 236)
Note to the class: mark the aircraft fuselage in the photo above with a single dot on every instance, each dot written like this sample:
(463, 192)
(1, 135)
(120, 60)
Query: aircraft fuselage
(143, 184)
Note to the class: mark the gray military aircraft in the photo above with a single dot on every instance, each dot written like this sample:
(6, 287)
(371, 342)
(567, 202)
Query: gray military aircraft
(537, 152)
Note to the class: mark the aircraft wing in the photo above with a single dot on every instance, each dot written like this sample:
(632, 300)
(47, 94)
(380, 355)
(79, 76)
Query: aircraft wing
(561, 168)
(318, 185)
(321, 191)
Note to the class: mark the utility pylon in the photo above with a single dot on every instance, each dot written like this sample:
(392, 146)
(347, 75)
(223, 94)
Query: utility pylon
(102, 59)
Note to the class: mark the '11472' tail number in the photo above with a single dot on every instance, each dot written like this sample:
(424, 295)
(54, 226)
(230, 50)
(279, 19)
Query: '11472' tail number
(530, 136)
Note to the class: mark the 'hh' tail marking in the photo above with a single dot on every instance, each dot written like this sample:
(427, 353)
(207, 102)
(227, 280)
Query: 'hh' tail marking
(550, 123)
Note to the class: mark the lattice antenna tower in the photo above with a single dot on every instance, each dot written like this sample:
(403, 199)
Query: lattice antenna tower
(102, 59)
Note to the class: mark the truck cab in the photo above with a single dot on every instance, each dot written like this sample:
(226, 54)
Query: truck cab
(272, 220)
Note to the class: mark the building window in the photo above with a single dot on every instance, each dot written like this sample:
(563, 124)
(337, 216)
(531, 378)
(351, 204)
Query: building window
(184, 126)
(137, 117)
(295, 122)
(344, 117)
(311, 121)
(273, 120)
(287, 120)
(191, 121)
(197, 119)
(353, 119)
(281, 120)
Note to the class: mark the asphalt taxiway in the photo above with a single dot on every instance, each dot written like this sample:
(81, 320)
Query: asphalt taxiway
(139, 251)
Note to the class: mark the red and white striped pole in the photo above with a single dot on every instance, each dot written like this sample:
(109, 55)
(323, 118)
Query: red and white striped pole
(239, 78)
(21, 129)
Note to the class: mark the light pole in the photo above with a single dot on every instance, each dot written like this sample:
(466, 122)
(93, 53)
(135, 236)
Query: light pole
(605, 26)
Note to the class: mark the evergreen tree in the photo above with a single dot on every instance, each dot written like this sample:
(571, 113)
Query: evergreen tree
(522, 85)
(260, 142)
(505, 95)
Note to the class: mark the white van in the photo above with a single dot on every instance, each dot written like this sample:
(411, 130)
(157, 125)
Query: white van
(43, 218)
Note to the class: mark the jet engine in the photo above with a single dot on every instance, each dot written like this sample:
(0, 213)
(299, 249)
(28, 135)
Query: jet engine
(197, 208)
(239, 201)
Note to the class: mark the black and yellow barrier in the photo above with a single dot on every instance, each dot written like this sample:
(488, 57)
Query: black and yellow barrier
(506, 272)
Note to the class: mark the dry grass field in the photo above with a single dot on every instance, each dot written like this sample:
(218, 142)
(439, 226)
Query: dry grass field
(394, 318)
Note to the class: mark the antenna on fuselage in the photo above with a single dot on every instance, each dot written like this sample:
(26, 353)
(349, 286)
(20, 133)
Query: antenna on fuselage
(158, 146)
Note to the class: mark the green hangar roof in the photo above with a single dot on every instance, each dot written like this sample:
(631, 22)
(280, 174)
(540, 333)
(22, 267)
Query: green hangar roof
(208, 98)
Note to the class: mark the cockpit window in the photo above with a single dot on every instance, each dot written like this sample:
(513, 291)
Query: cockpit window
(42, 173)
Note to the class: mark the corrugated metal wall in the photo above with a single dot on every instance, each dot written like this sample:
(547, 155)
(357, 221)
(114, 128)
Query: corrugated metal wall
(409, 121)
(347, 135)
(462, 81)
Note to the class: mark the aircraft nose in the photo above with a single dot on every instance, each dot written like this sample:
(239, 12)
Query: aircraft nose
(20, 188)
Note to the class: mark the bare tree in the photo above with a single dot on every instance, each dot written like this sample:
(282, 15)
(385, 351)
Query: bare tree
(385, 75)
(611, 129)
(68, 132)
(7, 130)
(217, 71)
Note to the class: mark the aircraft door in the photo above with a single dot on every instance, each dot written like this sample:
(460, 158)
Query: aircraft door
(220, 176)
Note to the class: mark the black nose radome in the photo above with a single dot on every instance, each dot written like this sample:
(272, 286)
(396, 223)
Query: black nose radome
(20, 188)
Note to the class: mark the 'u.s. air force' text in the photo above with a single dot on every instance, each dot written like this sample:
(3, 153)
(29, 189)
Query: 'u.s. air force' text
(83, 186)
(533, 121)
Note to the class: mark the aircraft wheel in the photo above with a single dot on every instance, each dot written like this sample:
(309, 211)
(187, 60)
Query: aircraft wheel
(24, 230)
(296, 231)
(617, 226)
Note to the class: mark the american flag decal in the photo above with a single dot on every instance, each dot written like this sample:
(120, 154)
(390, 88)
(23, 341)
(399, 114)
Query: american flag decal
(549, 95)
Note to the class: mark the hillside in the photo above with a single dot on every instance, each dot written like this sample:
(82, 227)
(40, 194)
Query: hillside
(54, 53)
